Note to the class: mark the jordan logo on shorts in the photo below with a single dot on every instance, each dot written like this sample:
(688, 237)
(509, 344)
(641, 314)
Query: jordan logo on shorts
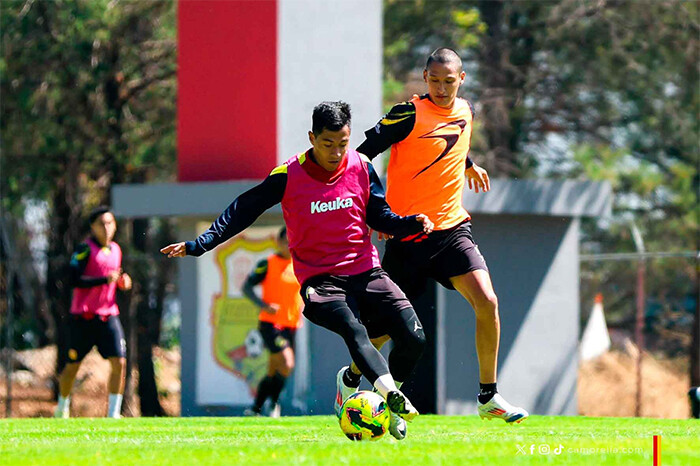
(416, 327)
(309, 292)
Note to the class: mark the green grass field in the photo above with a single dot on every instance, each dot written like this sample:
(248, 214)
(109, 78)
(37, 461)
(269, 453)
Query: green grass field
(317, 440)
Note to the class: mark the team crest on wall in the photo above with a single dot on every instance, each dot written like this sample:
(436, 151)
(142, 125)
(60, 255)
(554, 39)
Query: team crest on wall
(237, 343)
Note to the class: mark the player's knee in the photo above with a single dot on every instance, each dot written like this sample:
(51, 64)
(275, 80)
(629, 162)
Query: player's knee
(288, 364)
(357, 333)
(487, 306)
(285, 370)
(418, 340)
(414, 343)
(70, 369)
(118, 364)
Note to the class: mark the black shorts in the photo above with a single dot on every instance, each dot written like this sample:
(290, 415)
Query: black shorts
(371, 296)
(276, 338)
(440, 255)
(83, 334)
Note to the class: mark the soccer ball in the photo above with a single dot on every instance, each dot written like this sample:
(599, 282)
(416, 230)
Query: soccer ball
(364, 416)
(253, 343)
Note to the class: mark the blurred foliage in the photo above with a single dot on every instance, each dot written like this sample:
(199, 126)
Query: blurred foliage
(88, 100)
(92, 82)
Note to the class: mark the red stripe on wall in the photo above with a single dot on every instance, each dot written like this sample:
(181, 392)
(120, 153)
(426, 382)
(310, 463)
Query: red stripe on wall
(227, 89)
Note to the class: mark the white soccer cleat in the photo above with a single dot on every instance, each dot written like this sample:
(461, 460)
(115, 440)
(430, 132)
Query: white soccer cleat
(61, 413)
(343, 391)
(397, 427)
(251, 412)
(276, 411)
(499, 408)
(399, 404)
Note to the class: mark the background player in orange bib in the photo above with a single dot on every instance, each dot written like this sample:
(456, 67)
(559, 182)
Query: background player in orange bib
(429, 138)
(280, 316)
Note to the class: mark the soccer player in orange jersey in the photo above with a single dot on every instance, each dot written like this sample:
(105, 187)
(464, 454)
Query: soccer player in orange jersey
(280, 316)
(429, 138)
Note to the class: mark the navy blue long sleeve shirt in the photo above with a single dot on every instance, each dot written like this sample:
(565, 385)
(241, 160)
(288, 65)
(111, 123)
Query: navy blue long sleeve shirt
(247, 207)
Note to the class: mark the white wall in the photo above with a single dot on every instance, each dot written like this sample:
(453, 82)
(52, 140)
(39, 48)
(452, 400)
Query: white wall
(327, 50)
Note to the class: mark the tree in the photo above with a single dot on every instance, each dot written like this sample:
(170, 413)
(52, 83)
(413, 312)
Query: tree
(604, 90)
(88, 100)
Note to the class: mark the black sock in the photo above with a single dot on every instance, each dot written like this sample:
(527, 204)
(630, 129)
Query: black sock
(486, 392)
(694, 395)
(350, 379)
(263, 392)
(277, 386)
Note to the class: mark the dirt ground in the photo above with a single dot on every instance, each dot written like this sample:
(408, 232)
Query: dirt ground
(32, 385)
(606, 386)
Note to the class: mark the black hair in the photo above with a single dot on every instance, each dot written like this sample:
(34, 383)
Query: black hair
(282, 234)
(332, 116)
(444, 55)
(96, 213)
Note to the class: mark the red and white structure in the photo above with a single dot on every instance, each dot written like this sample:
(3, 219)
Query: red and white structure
(251, 71)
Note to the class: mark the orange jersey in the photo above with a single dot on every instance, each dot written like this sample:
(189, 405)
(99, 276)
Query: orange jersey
(426, 169)
(429, 154)
(280, 287)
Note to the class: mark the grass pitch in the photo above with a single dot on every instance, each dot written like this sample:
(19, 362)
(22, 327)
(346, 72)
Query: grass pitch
(447, 440)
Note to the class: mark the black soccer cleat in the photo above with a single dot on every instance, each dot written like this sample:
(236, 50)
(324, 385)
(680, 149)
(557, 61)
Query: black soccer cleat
(399, 404)
(694, 395)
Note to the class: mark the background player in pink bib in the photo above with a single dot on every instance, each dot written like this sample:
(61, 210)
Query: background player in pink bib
(96, 274)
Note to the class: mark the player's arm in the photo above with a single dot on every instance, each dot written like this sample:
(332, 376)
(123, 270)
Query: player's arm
(477, 177)
(380, 217)
(394, 127)
(78, 262)
(238, 216)
(256, 277)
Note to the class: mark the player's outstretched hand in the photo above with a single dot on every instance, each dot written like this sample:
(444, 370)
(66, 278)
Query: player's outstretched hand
(427, 224)
(175, 250)
(383, 236)
(477, 178)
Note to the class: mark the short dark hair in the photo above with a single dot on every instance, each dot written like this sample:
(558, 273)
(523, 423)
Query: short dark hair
(332, 116)
(444, 55)
(282, 233)
(96, 213)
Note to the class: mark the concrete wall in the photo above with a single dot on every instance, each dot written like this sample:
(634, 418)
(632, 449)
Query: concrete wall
(534, 267)
(328, 50)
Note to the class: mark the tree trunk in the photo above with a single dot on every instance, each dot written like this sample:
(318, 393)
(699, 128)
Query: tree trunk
(64, 234)
(504, 60)
(495, 98)
(695, 344)
(148, 390)
(147, 318)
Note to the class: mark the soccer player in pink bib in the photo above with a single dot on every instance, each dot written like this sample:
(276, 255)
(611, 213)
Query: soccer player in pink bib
(331, 197)
(94, 316)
